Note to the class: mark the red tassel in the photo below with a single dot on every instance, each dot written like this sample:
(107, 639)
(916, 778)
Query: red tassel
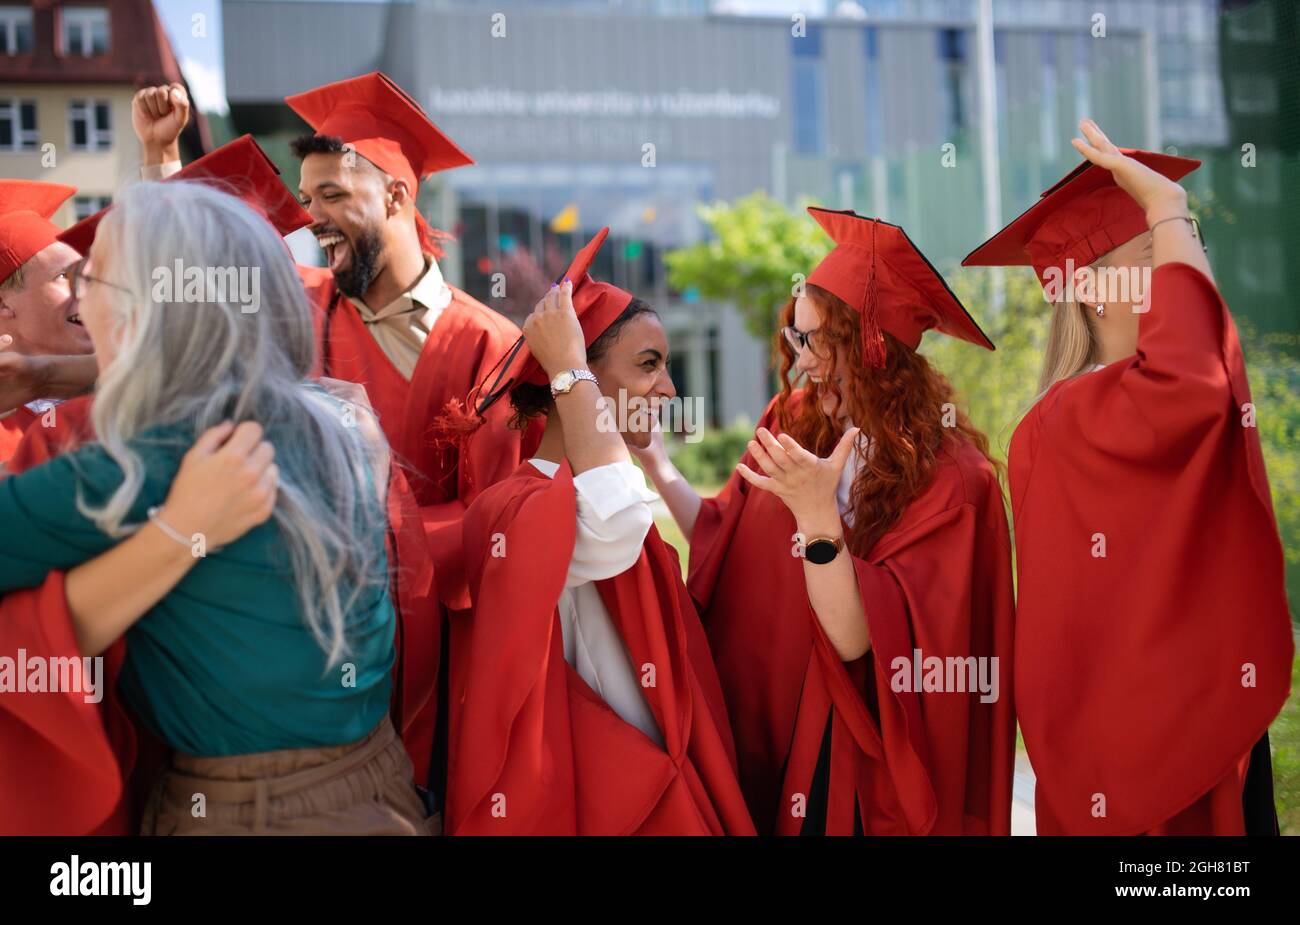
(430, 237)
(453, 429)
(873, 342)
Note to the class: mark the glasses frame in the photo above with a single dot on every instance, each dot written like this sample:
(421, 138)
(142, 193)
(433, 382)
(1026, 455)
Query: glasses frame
(77, 273)
(800, 341)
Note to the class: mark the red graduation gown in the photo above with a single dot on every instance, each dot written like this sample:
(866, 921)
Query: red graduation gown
(66, 760)
(75, 757)
(444, 475)
(534, 750)
(11, 430)
(1130, 666)
(913, 762)
(466, 341)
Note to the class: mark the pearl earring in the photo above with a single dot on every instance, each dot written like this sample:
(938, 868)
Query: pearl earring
(1101, 310)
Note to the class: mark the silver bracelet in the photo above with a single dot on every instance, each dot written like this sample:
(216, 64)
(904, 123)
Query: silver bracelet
(155, 517)
(1196, 227)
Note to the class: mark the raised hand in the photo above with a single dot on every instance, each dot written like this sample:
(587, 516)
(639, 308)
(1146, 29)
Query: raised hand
(553, 333)
(804, 481)
(1157, 195)
(159, 115)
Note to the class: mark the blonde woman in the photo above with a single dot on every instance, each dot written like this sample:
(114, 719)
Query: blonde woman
(1153, 643)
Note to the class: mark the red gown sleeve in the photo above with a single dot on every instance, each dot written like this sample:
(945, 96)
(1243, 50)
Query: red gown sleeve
(461, 465)
(715, 525)
(419, 627)
(60, 775)
(508, 702)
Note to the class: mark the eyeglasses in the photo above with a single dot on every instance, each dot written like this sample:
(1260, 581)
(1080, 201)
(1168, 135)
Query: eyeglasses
(804, 340)
(78, 277)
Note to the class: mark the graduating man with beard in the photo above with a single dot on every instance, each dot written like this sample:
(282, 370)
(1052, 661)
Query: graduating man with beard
(388, 319)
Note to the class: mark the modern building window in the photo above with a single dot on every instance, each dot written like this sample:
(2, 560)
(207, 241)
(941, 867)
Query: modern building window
(1082, 78)
(808, 45)
(84, 30)
(1253, 94)
(1048, 111)
(875, 96)
(90, 125)
(1251, 24)
(15, 30)
(952, 60)
(807, 92)
(18, 125)
(86, 206)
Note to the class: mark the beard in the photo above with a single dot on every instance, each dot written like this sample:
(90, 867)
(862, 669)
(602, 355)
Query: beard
(367, 248)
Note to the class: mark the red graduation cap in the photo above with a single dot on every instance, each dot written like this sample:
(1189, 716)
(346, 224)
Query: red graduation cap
(596, 304)
(386, 127)
(876, 269)
(25, 226)
(1081, 218)
(240, 168)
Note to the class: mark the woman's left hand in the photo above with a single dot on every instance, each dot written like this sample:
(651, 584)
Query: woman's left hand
(805, 482)
(227, 485)
(1158, 196)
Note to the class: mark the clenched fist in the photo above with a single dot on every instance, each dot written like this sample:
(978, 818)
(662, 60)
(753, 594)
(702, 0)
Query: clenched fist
(159, 115)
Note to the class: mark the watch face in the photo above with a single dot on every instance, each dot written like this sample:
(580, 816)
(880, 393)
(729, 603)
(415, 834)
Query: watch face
(563, 382)
(819, 552)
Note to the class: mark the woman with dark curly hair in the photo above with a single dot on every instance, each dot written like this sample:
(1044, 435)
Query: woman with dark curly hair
(584, 700)
(854, 575)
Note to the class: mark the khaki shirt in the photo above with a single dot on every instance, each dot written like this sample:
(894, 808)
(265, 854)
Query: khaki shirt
(402, 326)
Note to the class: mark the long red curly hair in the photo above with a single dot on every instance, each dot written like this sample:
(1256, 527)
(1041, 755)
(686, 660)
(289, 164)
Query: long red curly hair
(900, 408)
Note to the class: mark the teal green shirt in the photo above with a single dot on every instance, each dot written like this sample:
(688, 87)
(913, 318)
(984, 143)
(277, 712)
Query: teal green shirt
(225, 663)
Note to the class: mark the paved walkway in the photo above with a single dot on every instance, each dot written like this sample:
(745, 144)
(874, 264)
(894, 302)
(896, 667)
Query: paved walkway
(1022, 798)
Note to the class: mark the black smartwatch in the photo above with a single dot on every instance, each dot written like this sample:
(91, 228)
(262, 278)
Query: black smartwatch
(823, 549)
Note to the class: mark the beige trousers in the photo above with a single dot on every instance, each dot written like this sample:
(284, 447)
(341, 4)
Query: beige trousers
(363, 788)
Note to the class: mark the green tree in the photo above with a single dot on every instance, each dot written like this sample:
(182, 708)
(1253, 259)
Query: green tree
(995, 387)
(756, 249)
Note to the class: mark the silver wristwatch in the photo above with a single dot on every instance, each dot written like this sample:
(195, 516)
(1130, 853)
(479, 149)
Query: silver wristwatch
(565, 380)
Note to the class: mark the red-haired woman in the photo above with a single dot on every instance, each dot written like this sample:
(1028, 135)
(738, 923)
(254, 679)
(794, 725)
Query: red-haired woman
(854, 575)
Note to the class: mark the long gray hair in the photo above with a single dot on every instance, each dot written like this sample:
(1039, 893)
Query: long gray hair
(201, 362)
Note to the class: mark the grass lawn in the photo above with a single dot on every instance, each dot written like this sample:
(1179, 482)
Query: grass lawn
(1284, 736)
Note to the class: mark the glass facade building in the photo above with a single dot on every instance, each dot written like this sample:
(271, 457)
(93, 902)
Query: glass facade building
(631, 114)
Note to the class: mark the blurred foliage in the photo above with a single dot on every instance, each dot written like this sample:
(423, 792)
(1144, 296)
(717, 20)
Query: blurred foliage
(996, 387)
(1275, 391)
(1284, 741)
(707, 463)
(756, 245)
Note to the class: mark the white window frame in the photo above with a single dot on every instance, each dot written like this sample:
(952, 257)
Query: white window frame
(10, 18)
(87, 17)
(24, 139)
(86, 109)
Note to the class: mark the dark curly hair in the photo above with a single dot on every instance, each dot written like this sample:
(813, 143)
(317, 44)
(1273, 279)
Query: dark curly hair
(530, 400)
(317, 144)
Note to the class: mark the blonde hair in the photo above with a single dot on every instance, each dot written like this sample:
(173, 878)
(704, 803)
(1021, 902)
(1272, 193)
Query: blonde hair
(1071, 345)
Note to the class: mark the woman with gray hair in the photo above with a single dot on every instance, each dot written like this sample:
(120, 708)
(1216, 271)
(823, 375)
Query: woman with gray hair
(264, 660)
